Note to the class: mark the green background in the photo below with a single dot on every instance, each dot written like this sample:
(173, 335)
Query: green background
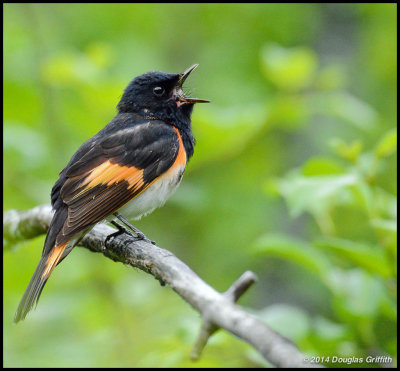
(293, 177)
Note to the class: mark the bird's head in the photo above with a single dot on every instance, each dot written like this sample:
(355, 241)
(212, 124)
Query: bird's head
(159, 95)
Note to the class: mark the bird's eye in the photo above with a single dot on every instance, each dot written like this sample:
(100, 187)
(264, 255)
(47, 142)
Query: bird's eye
(158, 91)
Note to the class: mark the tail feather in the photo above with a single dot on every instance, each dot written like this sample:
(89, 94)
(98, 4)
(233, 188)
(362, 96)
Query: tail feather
(40, 276)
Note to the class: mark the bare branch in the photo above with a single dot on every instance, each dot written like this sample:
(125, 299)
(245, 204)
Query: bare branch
(217, 310)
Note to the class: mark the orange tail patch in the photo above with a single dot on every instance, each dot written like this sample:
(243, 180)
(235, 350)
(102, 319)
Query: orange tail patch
(53, 259)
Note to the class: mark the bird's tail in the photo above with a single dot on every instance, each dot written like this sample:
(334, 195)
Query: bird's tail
(40, 276)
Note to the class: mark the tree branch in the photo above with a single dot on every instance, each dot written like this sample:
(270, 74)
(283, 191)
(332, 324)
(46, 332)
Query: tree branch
(217, 310)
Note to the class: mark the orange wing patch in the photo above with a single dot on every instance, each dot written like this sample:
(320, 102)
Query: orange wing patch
(110, 173)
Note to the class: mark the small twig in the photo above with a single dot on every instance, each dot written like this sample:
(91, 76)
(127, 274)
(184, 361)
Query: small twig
(240, 286)
(207, 329)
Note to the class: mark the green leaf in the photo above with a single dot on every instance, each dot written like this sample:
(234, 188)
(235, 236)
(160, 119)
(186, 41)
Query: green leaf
(346, 107)
(349, 151)
(271, 187)
(321, 166)
(357, 294)
(327, 330)
(372, 259)
(69, 67)
(315, 194)
(387, 230)
(295, 251)
(331, 77)
(385, 204)
(364, 196)
(289, 111)
(387, 145)
(386, 225)
(289, 68)
(100, 53)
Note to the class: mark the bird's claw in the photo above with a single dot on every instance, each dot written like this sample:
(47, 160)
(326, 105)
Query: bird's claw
(139, 236)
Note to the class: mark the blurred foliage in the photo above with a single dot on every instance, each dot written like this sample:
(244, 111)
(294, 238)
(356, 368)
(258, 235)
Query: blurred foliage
(293, 177)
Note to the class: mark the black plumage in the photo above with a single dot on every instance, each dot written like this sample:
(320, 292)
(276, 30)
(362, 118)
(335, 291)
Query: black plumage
(151, 136)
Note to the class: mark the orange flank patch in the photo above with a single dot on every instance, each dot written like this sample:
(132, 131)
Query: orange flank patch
(179, 163)
(181, 158)
(53, 259)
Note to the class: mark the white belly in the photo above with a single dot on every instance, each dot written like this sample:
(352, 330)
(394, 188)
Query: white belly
(154, 196)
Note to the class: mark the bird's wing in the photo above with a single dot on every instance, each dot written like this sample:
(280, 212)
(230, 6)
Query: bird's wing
(116, 169)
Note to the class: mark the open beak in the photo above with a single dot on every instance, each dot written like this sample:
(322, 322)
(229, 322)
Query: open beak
(179, 93)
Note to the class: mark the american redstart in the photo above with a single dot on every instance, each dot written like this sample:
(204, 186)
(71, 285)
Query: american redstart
(126, 170)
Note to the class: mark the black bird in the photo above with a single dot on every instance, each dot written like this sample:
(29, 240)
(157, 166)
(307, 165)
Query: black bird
(125, 171)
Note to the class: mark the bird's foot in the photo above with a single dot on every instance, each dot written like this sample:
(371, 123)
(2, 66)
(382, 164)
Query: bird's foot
(138, 235)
